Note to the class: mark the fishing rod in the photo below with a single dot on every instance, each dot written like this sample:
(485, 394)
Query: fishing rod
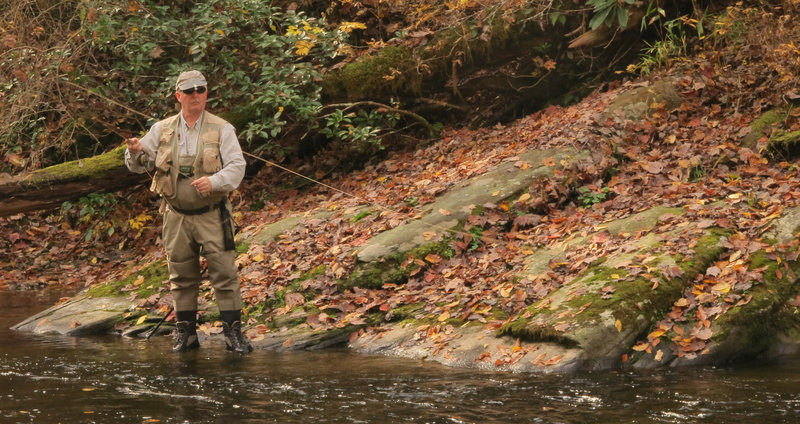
(278, 166)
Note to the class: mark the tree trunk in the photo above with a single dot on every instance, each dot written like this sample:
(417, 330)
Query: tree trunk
(49, 187)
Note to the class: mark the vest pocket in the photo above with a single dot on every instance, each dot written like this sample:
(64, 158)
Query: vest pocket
(164, 159)
(211, 160)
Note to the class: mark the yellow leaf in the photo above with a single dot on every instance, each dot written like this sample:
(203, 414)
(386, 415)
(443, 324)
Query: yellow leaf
(655, 334)
(141, 320)
(618, 325)
(506, 291)
(641, 346)
(258, 258)
(615, 276)
(659, 355)
(348, 27)
(524, 197)
(88, 389)
(444, 316)
(219, 31)
(303, 47)
(483, 311)
(721, 287)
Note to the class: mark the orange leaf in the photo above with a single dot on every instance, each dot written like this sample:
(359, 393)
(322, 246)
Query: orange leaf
(433, 258)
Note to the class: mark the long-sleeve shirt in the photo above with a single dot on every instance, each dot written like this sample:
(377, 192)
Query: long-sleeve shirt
(233, 163)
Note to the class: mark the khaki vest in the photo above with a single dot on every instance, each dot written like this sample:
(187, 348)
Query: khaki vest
(174, 173)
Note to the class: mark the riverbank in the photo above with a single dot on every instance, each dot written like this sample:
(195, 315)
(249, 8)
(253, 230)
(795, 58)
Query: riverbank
(652, 224)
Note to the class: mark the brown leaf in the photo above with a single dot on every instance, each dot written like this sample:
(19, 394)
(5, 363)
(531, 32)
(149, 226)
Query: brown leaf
(653, 167)
(294, 299)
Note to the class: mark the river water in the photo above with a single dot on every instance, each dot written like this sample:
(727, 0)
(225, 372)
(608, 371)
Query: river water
(57, 379)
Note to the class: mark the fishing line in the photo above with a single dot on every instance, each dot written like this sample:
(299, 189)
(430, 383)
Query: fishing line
(283, 168)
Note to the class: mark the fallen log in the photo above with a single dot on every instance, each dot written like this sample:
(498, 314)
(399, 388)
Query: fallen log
(50, 187)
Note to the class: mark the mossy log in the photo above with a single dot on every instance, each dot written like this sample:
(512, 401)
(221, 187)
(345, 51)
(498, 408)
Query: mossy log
(479, 73)
(51, 186)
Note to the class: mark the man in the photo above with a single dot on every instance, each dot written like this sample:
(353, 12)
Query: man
(198, 161)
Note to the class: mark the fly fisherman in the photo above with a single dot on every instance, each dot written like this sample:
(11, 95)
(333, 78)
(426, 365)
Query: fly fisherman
(198, 161)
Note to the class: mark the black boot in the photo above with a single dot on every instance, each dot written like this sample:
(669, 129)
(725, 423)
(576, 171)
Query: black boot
(185, 336)
(234, 339)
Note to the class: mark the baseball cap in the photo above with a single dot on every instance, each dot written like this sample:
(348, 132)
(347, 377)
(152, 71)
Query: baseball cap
(189, 79)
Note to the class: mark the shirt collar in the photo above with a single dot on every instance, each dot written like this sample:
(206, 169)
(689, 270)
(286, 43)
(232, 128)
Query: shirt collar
(196, 124)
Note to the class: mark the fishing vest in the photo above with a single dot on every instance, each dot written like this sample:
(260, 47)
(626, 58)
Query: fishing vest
(174, 173)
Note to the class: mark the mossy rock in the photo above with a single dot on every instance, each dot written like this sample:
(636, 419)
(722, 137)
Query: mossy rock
(637, 103)
(758, 127)
(603, 326)
(440, 217)
(154, 276)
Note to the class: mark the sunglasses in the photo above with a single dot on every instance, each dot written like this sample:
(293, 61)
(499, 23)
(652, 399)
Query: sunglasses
(200, 90)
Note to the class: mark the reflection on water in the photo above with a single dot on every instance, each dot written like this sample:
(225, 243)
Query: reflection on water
(50, 379)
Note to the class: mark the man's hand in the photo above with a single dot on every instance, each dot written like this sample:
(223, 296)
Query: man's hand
(202, 185)
(133, 145)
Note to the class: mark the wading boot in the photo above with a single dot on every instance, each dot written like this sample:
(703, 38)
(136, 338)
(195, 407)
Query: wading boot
(234, 339)
(185, 336)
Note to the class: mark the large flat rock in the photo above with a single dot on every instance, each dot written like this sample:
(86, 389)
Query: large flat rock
(81, 315)
(503, 182)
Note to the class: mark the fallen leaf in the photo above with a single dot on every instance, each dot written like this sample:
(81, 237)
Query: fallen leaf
(433, 258)
(653, 167)
(618, 325)
(682, 302)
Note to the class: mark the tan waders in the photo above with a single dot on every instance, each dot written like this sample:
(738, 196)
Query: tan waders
(193, 226)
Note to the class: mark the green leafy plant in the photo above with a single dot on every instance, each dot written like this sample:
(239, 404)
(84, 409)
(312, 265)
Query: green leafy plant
(589, 197)
(90, 212)
(116, 71)
(609, 12)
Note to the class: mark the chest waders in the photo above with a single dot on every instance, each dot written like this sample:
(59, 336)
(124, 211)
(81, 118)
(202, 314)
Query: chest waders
(195, 225)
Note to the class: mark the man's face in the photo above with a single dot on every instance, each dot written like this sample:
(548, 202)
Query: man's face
(193, 102)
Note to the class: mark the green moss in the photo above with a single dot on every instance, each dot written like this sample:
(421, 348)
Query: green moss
(389, 71)
(756, 322)
(81, 169)
(154, 276)
(360, 216)
(707, 250)
(784, 144)
(313, 273)
(630, 300)
(389, 270)
(759, 126)
(406, 312)
(522, 329)
(242, 247)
